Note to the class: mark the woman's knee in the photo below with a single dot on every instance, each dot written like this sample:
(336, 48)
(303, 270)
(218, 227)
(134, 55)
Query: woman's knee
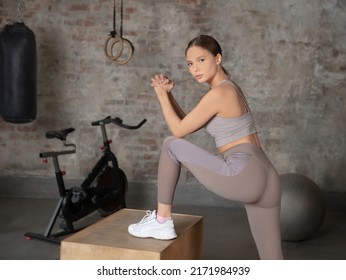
(166, 149)
(173, 143)
(168, 139)
(174, 147)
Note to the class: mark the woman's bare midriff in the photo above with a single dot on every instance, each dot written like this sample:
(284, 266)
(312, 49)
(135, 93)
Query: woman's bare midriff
(252, 139)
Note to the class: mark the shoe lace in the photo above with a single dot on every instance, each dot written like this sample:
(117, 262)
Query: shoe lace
(147, 216)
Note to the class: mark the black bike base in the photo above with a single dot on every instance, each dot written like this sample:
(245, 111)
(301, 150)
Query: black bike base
(53, 238)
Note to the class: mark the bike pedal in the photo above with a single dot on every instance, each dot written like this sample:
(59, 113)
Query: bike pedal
(63, 225)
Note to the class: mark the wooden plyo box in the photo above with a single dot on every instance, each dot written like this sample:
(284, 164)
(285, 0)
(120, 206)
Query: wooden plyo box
(109, 239)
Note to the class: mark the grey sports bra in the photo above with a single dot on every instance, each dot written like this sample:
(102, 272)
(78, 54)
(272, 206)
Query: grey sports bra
(226, 130)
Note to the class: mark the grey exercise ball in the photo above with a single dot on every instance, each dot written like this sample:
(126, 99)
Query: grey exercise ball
(303, 207)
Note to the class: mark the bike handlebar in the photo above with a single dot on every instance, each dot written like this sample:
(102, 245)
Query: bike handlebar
(118, 122)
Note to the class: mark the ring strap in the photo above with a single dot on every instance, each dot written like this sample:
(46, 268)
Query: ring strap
(114, 39)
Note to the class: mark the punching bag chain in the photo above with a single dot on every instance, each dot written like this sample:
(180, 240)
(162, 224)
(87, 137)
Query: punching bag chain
(19, 10)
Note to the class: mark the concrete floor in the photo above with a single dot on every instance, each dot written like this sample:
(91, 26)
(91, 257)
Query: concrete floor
(227, 234)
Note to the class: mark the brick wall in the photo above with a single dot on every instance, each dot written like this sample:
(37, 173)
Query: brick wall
(288, 56)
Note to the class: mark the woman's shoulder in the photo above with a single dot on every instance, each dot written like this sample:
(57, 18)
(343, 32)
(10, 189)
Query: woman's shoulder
(225, 90)
(227, 99)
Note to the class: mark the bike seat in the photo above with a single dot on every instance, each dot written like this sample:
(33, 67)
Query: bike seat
(60, 134)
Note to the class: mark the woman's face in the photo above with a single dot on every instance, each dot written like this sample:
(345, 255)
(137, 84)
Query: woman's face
(202, 64)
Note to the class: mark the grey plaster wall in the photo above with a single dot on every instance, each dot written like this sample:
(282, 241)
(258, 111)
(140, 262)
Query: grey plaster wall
(288, 56)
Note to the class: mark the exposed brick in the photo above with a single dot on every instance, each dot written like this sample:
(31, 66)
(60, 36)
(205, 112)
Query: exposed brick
(31, 127)
(294, 79)
(79, 7)
(130, 10)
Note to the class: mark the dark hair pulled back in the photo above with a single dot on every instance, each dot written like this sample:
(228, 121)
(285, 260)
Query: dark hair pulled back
(208, 43)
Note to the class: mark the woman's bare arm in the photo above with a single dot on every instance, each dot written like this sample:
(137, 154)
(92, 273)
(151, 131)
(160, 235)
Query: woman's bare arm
(181, 114)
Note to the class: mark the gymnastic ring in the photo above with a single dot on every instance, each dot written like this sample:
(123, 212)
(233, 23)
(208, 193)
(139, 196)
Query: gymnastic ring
(115, 39)
(130, 52)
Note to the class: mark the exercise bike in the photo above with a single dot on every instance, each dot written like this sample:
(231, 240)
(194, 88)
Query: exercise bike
(104, 189)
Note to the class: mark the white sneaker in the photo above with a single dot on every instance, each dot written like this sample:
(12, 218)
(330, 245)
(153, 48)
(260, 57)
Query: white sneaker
(150, 227)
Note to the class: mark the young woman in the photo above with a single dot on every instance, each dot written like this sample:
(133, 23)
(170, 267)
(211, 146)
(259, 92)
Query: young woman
(241, 172)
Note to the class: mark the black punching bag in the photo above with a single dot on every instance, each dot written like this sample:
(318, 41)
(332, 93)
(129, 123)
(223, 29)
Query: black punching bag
(18, 73)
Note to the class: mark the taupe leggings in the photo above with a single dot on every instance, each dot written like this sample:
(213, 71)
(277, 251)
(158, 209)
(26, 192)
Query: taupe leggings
(242, 173)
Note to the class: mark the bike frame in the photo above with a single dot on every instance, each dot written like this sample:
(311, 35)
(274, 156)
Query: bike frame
(108, 159)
